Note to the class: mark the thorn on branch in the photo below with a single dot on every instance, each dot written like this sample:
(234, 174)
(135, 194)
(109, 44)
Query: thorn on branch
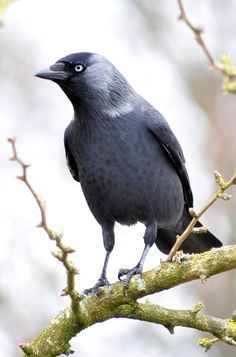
(170, 328)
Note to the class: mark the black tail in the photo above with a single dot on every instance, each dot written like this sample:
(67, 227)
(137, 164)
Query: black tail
(195, 243)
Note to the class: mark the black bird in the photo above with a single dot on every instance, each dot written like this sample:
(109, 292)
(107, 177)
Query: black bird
(128, 161)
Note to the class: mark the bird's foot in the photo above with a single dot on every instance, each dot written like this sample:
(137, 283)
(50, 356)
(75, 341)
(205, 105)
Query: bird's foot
(102, 281)
(129, 273)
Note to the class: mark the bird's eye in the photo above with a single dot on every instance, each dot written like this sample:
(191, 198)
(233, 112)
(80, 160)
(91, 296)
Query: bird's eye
(79, 68)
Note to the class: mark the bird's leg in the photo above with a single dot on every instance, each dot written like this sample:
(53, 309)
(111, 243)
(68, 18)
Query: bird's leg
(108, 240)
(149, 239)
(128, 273)
(102, 281)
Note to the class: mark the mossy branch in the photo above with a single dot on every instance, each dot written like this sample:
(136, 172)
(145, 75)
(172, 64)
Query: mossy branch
(112, 303)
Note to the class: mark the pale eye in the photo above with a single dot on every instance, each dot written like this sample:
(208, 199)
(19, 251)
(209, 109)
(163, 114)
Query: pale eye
(79, 68)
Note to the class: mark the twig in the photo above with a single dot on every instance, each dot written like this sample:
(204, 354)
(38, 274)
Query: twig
(224, 65)
(198, 31)
(220, 193)
(64, 251)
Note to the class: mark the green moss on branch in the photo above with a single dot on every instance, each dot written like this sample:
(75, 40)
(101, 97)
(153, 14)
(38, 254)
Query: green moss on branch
(54, 340)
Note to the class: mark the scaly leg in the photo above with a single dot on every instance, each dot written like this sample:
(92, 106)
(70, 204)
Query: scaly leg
(149, 239)
(109, 241)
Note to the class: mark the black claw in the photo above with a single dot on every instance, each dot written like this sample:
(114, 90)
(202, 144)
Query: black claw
(95, 290)
(122, 272)
(129, 273)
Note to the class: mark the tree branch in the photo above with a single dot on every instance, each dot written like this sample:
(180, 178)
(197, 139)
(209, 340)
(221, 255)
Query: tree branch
(198, 31)
(64, 251)
(220, 193)
(169, 318)
(112, 303)
(225, 66)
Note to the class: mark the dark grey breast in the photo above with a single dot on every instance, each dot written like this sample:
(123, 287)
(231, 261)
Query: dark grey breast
(123, 173)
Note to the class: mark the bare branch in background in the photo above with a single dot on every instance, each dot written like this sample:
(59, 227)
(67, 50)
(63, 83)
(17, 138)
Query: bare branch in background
(198, 31)
(64, 251)
(220, 193)
(225, 65)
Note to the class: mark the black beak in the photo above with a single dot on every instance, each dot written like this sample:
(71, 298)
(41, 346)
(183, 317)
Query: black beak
(56, 72)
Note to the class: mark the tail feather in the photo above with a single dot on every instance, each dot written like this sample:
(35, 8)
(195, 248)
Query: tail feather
(195, 243)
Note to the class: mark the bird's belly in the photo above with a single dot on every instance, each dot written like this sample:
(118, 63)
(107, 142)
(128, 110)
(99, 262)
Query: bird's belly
(127, 189)
(111, 196)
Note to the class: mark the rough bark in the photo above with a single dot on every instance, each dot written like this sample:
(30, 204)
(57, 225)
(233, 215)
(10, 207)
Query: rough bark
(113, 303)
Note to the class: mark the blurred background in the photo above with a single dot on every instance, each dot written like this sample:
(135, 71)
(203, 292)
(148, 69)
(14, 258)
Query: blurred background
(161, 60)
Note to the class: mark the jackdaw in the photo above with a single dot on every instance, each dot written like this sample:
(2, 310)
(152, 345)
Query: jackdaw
(128, 161)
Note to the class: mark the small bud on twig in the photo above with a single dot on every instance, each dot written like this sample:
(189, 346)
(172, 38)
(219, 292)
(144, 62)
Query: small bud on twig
(26, 348)
(219, 179)
(203, 277)
(207, 343)
(193, 213)
(64, 292)
(198, 307)
(200, 230)
(224, 196)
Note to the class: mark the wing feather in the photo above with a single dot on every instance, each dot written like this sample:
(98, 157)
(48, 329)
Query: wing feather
(171, 147)
(71, 162)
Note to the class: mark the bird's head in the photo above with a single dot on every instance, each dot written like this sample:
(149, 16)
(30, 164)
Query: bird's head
(90, 81)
